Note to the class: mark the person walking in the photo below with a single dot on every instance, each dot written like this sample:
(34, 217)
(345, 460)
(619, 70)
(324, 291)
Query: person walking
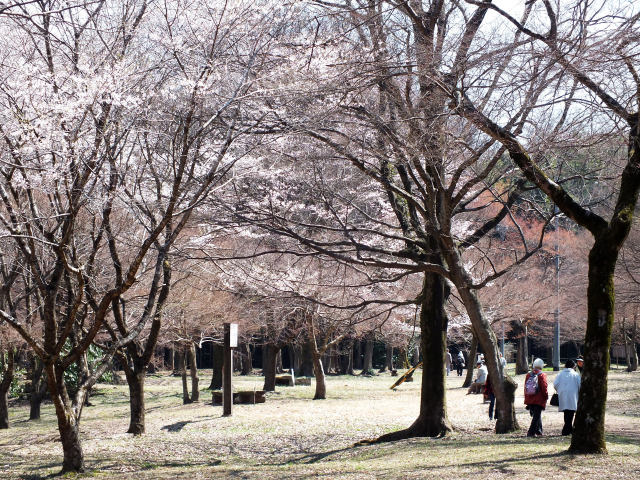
(535, 397)
(447, 361)
(567, 385)
(460, 363)
(488, 392)
(580, 364)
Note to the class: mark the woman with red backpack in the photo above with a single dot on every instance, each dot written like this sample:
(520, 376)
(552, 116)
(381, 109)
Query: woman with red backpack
(535, 397)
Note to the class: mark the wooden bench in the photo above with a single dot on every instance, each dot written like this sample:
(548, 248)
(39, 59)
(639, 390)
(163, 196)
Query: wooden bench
(245, 397)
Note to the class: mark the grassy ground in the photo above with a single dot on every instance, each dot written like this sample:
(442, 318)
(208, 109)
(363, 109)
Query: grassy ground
(292, 436)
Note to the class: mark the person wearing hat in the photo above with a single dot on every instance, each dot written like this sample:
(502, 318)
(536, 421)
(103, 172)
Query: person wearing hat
(567, 384)
(478, 384)
(580, 364)
(535, 397)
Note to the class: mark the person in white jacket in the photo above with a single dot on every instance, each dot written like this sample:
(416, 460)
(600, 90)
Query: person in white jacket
(567, 384)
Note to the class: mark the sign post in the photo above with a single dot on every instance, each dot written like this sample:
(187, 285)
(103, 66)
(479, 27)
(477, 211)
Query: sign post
(230, 342)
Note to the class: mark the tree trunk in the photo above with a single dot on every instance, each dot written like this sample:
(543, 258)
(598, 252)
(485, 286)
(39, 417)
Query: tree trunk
(7, 371)
(388, 359)
(471, 361)
(588, 433)
(218, 360)
(73, 457)
(632, 366)
(367, 363)
(432, 420)
(279, 368)
(183, 374)
(38, 388)
(135, 381)
(321, 384)
(415, 357)
(178, 361)
(522, 353)
(195, 381)
(247, 364)
(269, 367)
(503, 387)
(357, 355)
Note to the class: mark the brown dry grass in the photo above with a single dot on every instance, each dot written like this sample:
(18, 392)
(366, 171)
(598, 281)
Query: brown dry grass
(292, 436)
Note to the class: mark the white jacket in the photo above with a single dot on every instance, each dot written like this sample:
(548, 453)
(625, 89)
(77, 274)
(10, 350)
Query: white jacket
(567, 384)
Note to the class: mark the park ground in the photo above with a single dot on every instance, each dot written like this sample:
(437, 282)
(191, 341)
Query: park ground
(292, 436)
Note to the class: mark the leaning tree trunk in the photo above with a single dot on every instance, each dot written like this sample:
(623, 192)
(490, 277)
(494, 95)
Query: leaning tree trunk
(318, 371)
(269, 367)
(432, 420)
(7, 377)
(589, 433)
(503, 386)
(471, 361)
(367, 363)
(195, 381)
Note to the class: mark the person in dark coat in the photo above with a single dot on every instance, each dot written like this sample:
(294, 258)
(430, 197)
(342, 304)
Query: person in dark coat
(535, 397)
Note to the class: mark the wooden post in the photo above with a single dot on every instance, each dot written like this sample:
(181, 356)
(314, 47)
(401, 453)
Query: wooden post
(230, 341)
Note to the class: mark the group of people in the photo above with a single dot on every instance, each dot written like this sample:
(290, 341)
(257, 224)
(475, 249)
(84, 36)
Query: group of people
(566, 385)
(458, 363)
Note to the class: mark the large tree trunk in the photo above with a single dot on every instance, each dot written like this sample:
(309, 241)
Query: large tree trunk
(218, 360)
(7, 371)
(195, 381)
(588, 432)
(432, 420)
(135, 381)
(269, 368)
(367, 363)
(471, 361)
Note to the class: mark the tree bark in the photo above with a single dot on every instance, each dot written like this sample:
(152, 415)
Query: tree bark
(195, 381)
(367, 363)
(183, 374)
(269, 367)
(218, 360)
(68, 418)
(7, 371)
(432, 420)
(588, 433)
(388, 359)
(471, 361)
(522, 353)
(38, 388)
(135, 381)
(632, 364)
(247, 363)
